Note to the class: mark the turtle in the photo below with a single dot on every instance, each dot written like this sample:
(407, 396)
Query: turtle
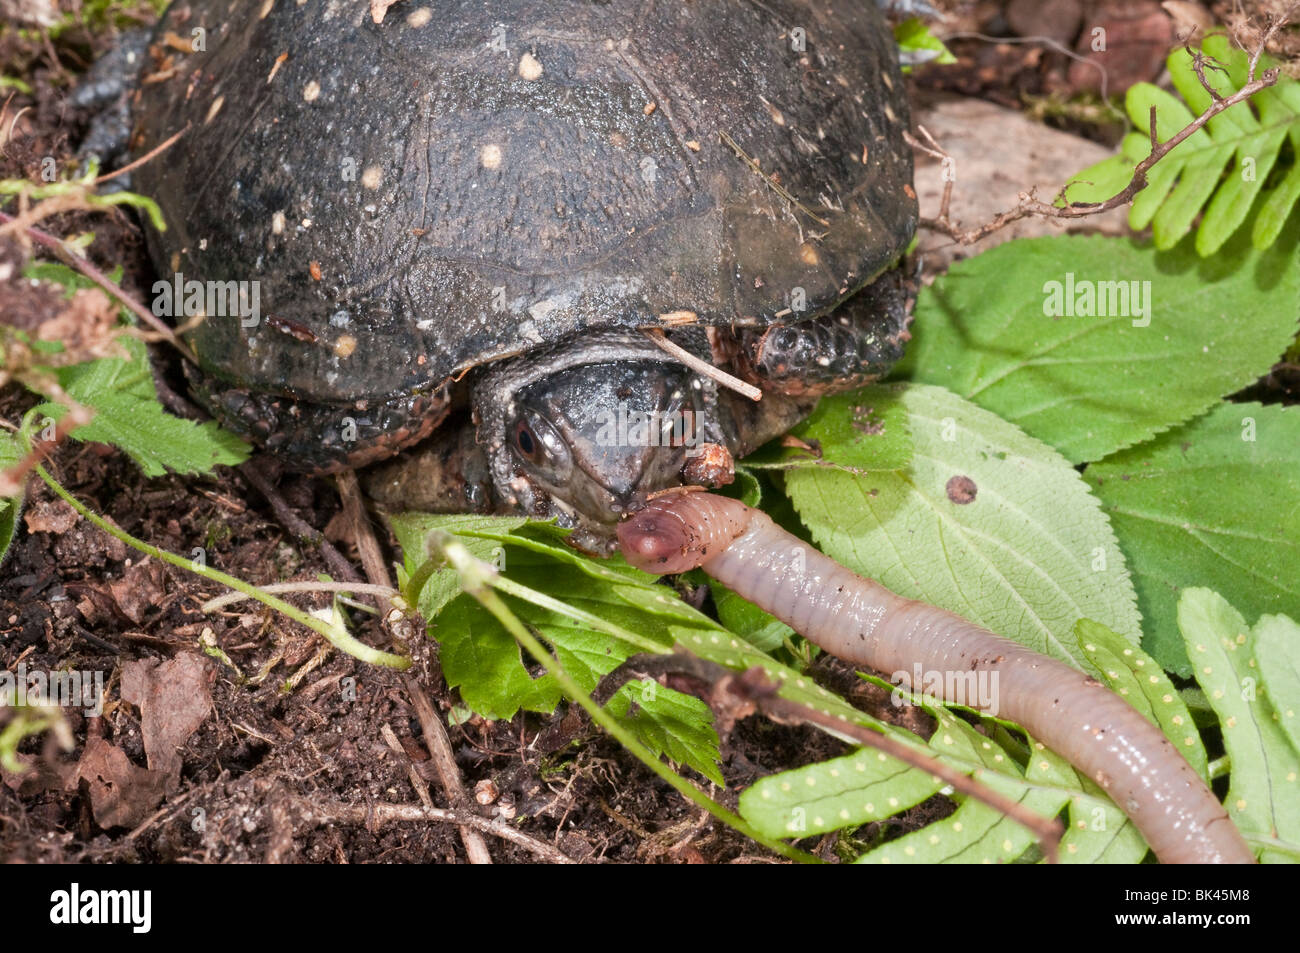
(465, 232)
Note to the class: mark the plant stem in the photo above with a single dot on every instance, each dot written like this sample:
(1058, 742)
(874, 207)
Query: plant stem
(337, 637)
(480, 584)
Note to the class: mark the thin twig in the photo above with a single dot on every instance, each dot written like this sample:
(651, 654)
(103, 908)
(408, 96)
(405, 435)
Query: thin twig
(1029, 205)
(300, 528)
(337, 812)
(372, 557)
(417, 782)
(701, 366)
(161, 147)
(77, 263)
(444, 762)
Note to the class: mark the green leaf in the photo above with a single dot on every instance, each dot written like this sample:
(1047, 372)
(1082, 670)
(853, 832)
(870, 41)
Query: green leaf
(413, 529)
(1027, 558)
(861, 431)
(975, 833)
(844, 792)
(593, 613)
(1211, 503)
(760, 629)
(128, 416)
(1277, 648)
(1090, 385)
(1132, 673)
(671, 724)
(914, 37)
(1221, 172)
(11, 507)
(1264, 787)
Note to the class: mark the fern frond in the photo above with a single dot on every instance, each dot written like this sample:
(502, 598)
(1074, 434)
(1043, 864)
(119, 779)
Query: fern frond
(1236, 161)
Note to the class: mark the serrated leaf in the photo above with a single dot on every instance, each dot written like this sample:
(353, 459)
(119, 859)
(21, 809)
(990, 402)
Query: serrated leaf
(1220, 170)
(671, 724)
(128, 416)
(861, 431)
(1215, 502)
(482, 659)
(593, 613)
(1130, 672)
(1264, 787)
(10, 506)
(1092, 385)
(1027, 558)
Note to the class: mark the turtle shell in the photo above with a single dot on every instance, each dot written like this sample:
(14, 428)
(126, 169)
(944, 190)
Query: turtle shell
(464, 181)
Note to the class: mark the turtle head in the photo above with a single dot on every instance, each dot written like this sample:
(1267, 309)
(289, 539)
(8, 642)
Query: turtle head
(586, 432)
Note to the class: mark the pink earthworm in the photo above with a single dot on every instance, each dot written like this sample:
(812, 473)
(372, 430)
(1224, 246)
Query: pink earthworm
(865, 624)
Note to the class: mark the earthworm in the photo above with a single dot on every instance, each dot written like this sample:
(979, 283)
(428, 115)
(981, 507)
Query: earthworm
(865, 624)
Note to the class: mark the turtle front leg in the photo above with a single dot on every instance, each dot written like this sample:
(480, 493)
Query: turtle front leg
(853, 345)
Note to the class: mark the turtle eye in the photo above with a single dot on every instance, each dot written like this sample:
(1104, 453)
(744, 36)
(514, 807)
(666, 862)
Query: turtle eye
(538, 444)
(525, 441)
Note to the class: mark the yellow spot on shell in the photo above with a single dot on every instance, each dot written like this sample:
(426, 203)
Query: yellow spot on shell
(311, 91)
(372, 177)
(808, 255)
(490, 158)
(345, 345)
(530, 68)
(418, 18)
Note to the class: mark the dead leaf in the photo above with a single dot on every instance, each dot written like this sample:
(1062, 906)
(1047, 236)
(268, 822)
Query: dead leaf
(139, 589)
(174, 701)
(121, 793)
(50, 516)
